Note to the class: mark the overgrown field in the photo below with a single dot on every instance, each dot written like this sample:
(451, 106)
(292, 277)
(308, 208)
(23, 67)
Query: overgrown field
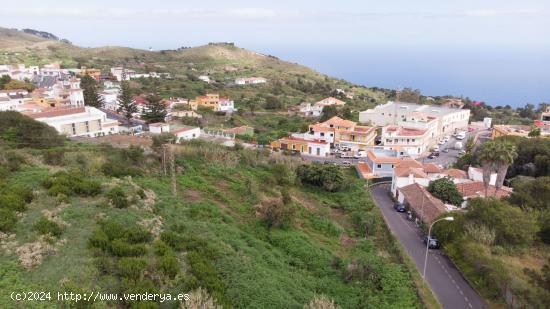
(242, 226)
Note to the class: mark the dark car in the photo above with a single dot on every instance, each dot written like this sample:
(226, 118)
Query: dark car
(431, 156)
(433, 243)
(399, 207)
(436, 154)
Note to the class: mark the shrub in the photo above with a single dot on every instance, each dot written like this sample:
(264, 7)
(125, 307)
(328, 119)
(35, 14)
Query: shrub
(168, 264)
(119, 169)
(329, 177)
(131, 267)
(274, 213)
(23, 192)
(137, 235)
(99, 240)
(8, 219)
(73, 183)
(117, 197)
(200, 298)
(12, 201)
(321, 302)
(54, 156)
(445, 190)
(121, 248)
(44, 226)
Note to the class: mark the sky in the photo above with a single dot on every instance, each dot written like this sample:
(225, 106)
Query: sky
(294, 28)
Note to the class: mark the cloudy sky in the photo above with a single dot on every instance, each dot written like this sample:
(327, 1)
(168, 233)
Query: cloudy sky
(172, 23)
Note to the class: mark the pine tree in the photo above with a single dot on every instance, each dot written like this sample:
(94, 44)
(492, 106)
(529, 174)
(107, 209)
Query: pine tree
(126, 105)
(156, 110)
(91, 91)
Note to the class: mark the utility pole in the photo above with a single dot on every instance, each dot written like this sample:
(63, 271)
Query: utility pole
(173, 169)
(164, 159)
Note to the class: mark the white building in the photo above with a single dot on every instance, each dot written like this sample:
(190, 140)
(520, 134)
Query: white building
(78, 121)
(159, 128)
(11, 99)
(205, 79)
(187, 133)
(409, 171)
(407, 141)
(309, 110)
(110, 98)
(250, 81)
(225, 105)
(476, 174)
(448, 119)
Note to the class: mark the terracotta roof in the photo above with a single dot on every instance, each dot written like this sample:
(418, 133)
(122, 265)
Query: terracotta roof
(184, 130)
(363, 129)
(296, 139)
(320, 127)
(364, 170)
(406, 163)
(406, 171)
(431, 168)
(455, 173)
(337, 121)
(477, 189)
(425, 206)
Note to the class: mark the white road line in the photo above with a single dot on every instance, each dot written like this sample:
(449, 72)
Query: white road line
(460, 291)
(453, 280)
(469, 304)
(466, 298)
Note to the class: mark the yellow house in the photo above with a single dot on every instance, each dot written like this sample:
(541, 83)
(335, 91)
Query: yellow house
(209, 100)
(290, 143)
(510, 130)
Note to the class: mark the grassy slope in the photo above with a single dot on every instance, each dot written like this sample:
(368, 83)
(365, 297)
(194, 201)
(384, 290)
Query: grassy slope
(260, 269)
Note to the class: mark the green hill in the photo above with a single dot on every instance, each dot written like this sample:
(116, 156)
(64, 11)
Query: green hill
(243, 225)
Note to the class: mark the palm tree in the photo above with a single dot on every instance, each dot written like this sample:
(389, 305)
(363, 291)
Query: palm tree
(505, 155)
(496, 156)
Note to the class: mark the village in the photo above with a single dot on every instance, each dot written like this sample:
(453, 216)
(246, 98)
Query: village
(397, 142)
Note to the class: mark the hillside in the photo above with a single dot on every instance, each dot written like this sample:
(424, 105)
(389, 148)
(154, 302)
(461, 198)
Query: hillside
(243, 225)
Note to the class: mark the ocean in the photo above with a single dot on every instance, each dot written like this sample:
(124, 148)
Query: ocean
(497, 77)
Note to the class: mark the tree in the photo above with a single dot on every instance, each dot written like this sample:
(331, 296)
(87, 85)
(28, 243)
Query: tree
(272, 102)
(534, 133)
(532, 194)
(409, 95)
(496, 156)
(91, 91)
(329, 112)
(346, 113)
(18, 84)
(328, 177)
(156, 110)
(126, 104)
(445, 190)
(4, 80)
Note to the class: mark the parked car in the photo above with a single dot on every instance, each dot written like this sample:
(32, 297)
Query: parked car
(446, 150)
(346, 163)
(436, 153)
(436, 148)
(441, 142)
(432, 242)
(431, 156)
(462, 152)
(399, 207)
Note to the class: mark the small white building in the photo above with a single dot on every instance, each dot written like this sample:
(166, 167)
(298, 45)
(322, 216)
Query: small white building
(476, 174)
(159, 128)
(317, 148)
(225, 105)
(187, 133)
(110, 98)
(310, 110)
(250, 81)
(205, 78)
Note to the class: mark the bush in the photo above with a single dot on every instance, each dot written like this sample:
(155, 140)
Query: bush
(117, 197)
(73, 183)
(54, 156)
(274, 213)
(120, 169)
(131, 267)
(168, 264)
(329, 177)
(11, 201)
(136, 235)
(44, 226)
(8, 219)
(121, 248)
(23, 192)
(445, 190)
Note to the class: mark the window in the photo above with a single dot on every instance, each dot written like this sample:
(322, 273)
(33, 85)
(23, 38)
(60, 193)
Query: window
(378, 165)
(74, 128)
(87, 126)
(293, 146)
(322, 133)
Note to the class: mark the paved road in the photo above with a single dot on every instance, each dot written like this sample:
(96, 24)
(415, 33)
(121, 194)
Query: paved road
(448, 285)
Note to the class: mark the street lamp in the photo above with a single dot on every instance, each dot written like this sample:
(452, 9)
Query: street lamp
(428, 242)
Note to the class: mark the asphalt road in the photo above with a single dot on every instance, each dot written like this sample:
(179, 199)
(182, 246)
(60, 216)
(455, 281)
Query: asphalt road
(452, 290)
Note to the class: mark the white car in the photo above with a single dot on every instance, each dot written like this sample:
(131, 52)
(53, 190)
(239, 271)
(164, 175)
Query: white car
(441, 142)
(436, 148)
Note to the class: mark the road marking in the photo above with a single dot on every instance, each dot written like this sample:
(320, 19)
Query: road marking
(460, 291)
(453, 280)
(469, 304)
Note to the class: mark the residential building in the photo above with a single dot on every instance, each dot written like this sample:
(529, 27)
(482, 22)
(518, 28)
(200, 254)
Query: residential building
(93, 73)
(476, 174)
(341, 132)
(303, 146)
(213, 101)
(205, 78)
(309, 110)
(330, 101)
(185, 113)
(458, 176)
(110, 98)
(474, 189)
(382, 162)
(159, 128)
(250, 81)
(409, 171)
(11, 99)
(421, 203)
(187, 133)
(78, 121)
(408, 141)
(448, 119)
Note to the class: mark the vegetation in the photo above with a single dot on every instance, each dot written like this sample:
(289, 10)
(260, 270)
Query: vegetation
(329, 177)
(91, 91)
(445, 190)
(156, 110)
(19, 131)
(126, 105)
